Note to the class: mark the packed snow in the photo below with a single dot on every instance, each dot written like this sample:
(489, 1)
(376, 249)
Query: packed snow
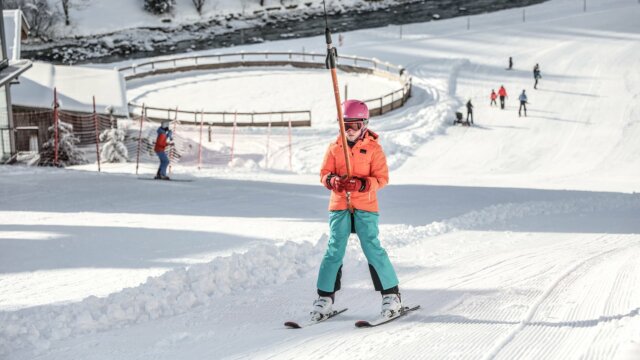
(517, 236)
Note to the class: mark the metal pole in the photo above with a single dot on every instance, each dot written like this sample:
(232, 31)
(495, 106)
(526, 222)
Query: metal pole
(95, 120)
(468, 22)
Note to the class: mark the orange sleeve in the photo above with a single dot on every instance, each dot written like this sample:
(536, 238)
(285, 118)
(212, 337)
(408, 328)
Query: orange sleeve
(328, 166)
(379, 177)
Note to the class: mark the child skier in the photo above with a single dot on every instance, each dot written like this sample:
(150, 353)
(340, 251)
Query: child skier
(370, 173)
(164, 134)
(494, 96)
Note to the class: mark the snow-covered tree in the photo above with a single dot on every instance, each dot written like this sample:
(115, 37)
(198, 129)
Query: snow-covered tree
(68, 152)
(159, 6)
(39, 14)
(113, 148)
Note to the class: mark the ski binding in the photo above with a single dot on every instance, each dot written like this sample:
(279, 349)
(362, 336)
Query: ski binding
(297, 325)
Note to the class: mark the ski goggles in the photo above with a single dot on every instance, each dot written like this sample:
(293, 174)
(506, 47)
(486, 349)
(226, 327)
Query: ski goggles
(353, 125)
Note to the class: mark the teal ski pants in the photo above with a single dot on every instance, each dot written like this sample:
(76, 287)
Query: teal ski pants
(366, 226)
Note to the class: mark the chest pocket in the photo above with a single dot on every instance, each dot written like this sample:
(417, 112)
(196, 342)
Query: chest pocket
(362, 162)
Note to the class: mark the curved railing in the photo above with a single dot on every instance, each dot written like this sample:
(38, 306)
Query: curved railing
(353, 64)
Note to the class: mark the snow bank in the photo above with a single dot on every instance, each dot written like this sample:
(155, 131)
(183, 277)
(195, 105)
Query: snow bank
(173, 293)
(403, 235)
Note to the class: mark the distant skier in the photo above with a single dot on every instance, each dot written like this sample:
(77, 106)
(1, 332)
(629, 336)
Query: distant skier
(536, 75)
(510, 63)
(469, 112)
(370, 174)
(502, 92)
(493, 96)
(164, 137)
(523, 103)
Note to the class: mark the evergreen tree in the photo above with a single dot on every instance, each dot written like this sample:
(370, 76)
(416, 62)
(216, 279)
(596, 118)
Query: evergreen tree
(68, 152)
(159, 6)
(113, 148)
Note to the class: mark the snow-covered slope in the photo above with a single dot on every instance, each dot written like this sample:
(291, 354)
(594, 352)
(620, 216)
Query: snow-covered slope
(519, 236)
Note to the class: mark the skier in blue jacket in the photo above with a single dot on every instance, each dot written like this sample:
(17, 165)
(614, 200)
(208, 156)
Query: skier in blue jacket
(523, 103)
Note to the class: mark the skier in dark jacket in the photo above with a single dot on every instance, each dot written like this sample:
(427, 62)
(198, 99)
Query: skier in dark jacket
(164, 137)
(536, 75)
(510, 63)
(469, 112)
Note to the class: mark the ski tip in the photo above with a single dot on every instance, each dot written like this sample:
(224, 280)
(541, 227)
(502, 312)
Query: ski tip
(362, 324)
(292, 325)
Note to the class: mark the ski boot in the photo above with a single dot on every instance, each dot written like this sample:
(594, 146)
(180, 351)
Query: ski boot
(391, 305)
(322, 307)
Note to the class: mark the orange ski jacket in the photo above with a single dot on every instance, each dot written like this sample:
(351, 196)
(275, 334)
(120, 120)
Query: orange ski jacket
(368, 161)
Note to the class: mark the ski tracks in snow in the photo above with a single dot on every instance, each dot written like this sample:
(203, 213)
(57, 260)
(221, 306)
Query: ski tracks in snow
(566, 321)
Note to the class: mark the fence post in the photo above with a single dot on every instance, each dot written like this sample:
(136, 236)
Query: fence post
(346, 91)
(210, 132)
(381, 109)
(95, 120)
(290, 150)
(200, 148)
(172, 151)
(266, 157)
(142, 116)
(233, 135)
(55, 126)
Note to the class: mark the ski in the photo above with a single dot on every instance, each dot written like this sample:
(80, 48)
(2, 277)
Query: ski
(178, 180)
(297, 325)
(383, 320)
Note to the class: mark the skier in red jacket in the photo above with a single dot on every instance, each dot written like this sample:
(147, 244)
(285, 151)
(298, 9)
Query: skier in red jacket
(502, 92)
(164, 136)
(494, 96)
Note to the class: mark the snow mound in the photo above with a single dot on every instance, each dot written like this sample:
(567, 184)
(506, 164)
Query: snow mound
(172, 293)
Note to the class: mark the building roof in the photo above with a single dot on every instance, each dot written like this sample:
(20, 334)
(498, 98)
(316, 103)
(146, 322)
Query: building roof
(76, 85)
(16, 29)
(14, 70)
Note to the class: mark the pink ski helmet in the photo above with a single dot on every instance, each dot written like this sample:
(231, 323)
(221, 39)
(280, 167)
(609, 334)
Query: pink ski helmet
(355, 110)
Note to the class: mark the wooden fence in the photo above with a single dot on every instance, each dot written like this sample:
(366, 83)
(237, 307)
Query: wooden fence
(353, 64)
